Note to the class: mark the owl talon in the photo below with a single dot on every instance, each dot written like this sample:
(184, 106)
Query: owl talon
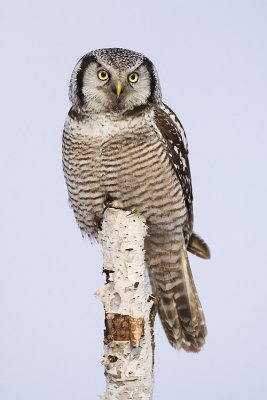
(116, 204)
(119, 205)
(133, 210)
(113, 204)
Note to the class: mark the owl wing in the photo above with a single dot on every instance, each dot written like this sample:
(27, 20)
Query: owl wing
(174, 137)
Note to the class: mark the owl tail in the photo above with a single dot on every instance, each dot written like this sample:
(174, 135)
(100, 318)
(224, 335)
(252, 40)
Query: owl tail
(180, 310)
(197, 246)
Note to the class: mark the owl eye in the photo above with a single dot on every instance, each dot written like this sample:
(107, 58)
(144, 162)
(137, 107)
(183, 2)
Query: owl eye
(133, 77)
(103, 75)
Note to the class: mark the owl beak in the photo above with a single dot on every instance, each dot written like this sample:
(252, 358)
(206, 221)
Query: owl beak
(118, 87)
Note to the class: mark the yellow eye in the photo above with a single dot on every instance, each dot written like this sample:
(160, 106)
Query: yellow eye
(103, 75)
(133, 77)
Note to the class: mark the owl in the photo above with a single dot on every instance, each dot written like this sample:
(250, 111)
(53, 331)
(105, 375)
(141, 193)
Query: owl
(121, 142)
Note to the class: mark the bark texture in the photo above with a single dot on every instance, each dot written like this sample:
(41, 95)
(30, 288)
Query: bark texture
(128, 344)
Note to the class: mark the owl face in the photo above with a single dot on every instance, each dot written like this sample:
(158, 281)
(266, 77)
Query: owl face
(115, 80)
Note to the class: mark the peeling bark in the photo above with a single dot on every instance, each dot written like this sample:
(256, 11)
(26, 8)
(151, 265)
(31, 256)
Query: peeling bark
(128, 344)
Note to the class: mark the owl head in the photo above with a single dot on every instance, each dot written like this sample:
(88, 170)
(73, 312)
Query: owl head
(114, 80)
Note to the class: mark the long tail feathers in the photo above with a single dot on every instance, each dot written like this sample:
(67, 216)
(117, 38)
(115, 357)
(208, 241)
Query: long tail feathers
(180, 310)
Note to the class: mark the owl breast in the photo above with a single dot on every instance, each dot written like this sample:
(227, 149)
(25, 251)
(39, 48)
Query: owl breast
(120, 160)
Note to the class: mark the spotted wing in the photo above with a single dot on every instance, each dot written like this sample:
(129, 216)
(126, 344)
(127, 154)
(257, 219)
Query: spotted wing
(174, 137)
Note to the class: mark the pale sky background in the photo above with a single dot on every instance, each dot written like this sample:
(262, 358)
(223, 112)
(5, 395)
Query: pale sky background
(212, 61)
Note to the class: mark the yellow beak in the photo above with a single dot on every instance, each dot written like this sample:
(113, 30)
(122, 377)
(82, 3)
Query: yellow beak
(118, 87)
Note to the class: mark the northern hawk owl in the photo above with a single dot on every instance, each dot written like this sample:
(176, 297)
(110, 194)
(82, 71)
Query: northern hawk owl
(121, 142)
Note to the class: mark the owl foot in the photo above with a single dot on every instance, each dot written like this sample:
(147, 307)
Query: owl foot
(114, 204)
(133, 210)
(119, 204)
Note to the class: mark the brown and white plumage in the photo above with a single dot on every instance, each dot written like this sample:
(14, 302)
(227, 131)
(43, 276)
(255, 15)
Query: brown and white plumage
(125, 144)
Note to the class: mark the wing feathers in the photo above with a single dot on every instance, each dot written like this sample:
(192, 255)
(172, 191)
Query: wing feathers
(197, 246)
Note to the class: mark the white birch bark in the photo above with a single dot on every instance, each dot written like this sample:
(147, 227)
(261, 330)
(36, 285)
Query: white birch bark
(128, 363)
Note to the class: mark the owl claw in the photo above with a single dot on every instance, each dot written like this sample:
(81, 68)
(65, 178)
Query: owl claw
(119, 204)
(133, 210)
(113, 204)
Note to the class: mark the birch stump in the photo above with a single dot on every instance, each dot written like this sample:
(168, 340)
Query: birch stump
(128, 344)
